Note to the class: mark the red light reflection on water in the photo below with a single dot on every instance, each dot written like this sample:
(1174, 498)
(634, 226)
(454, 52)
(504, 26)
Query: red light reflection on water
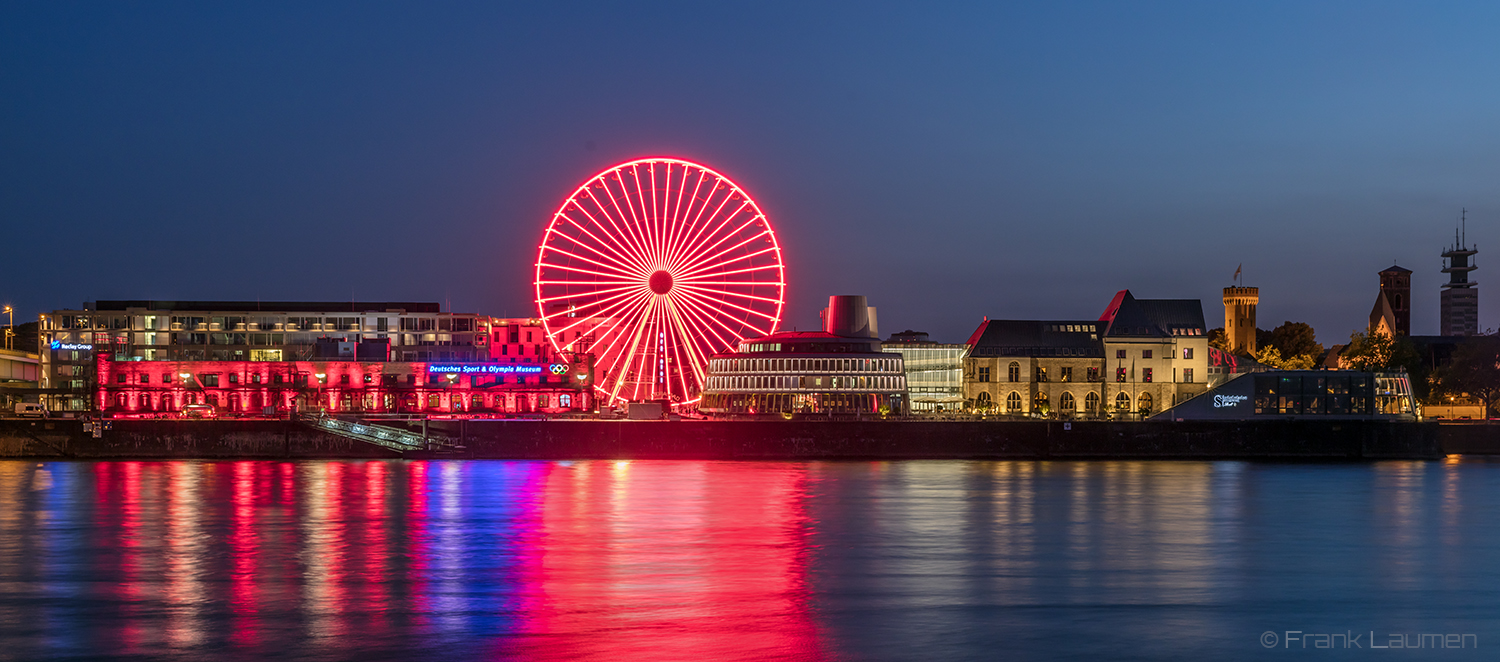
(244, 545)
(665, 560)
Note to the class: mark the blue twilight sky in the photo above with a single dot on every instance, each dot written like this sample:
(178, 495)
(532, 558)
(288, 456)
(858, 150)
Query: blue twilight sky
(1009, 160)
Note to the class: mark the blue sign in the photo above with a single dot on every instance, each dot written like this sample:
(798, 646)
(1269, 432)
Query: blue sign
(487, 369)
(70, 345)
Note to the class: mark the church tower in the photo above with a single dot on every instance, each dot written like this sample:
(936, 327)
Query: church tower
(1239, 318)
(1395, 284)
(1460, 304)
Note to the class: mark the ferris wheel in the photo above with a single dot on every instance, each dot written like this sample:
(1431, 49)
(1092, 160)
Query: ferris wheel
(652, 266)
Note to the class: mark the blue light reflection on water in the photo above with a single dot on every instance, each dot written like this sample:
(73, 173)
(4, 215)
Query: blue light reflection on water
(683, 560)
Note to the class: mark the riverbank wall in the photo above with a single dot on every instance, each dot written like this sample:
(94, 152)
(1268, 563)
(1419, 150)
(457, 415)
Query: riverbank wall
(762, 440)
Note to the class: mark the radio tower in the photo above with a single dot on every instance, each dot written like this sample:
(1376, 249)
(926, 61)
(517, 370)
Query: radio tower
(1460, 305)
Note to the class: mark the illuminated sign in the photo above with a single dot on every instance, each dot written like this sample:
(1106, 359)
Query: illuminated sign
(487, 369)
(70, 345)
(558, 368)
(1229, 400)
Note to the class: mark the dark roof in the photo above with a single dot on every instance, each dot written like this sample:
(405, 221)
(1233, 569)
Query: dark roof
(1036, 338)
(1396, 268)
(273, 306)
(1129, 316)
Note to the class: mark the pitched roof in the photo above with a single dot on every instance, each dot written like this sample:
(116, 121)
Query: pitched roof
(1037, 338)
(1129, 316)
(1396, 268)
(1382, 312)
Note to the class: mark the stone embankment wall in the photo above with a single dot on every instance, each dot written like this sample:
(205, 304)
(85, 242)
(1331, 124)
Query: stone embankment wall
(766, 440)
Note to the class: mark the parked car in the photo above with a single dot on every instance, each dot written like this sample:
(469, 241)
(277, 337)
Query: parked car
(198, 411)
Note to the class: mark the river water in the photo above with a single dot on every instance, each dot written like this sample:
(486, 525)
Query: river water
(668, 560)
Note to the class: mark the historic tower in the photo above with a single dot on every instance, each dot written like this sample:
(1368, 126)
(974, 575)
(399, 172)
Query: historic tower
(1239, 318)
(1395, 284)
(1460, 305)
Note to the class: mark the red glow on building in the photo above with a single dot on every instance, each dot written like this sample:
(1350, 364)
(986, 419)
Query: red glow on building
(667, 263)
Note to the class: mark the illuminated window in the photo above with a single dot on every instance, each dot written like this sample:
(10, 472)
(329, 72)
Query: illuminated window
(1145, 374)
(1119, 374)
(1187, 352)
(1041, 374)
(1066, 374)
(1013, 402)
(1122, 402)
(1187, 375)
(1093, 374)
(1066, 402)
(1091, 402)
(1015, 371)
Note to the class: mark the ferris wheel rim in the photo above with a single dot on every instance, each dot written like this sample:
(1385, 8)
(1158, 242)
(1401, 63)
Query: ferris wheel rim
(635, 258)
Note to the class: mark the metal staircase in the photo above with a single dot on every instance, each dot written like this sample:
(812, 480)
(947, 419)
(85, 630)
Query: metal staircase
(396, 439)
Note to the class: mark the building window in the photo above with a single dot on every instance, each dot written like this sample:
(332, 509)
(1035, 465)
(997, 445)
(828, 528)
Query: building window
(1066, 374)
(1119, 353)
(1145, 374)
(1015, 371)
(983, 401)
(984, 374)
(145, 379)
(1041, 374)
(1144, 403)
(1066, 402)
(344, 379)
(1187, 352)
(234, 378)
(1093, 374)
(1122, 402)
(1119, 374)
(1013, 402)
(1145, 353)
(1091, 403)
(1187, 375)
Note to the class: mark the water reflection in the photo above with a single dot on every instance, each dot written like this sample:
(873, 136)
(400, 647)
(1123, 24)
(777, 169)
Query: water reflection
(706, 560)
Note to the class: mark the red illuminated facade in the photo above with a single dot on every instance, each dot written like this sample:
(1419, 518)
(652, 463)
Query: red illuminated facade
(670, 263)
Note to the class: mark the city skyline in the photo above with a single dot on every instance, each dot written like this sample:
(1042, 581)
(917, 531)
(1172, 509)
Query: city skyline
(995, 165)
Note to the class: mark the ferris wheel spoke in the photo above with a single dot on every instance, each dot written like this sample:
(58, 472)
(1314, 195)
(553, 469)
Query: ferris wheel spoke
(701, 245)
(621, 258)
(703, 225)
(731, 293)
(630, 356)
(619, 271)
(618, 300)
(709, 263)
(631, 202)
(707, 318)
(656, 217)
(635, 240)
(551, 265)
(696, 358)
(682, 344)
(682, 227)
(736, 306)
(677, 218)
(697, 320)
(718, 274)
(621, 239)
(711, 311)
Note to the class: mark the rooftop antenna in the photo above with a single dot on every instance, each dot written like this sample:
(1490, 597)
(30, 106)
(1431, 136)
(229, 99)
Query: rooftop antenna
(1463, 224)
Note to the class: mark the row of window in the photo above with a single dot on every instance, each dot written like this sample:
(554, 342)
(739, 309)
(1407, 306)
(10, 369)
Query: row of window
(1067, 403)
(1065, 374)
(254, 403)
(212, 380)
(1187, 353)
(805, 365)
(804, 382)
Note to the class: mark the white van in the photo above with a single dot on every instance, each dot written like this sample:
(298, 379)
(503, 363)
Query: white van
(30, 409)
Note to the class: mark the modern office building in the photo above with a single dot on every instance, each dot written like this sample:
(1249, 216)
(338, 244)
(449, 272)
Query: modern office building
(1140, 356)
(1303, 394)
(1239, 318)
(934, 371)
(840, 370)
(1459, 315)
(20, 375)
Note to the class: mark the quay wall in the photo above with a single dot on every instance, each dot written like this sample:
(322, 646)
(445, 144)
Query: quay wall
(763, 440)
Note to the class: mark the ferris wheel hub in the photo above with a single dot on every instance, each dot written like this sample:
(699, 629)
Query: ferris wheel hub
(661, 282)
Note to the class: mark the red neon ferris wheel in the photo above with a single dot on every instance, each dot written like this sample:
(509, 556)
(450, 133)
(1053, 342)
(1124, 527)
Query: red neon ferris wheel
(652, 266)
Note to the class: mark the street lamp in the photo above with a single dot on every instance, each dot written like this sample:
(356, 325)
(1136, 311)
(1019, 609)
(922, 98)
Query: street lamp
(10, 326)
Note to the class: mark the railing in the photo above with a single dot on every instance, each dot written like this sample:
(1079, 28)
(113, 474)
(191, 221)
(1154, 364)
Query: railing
(380, 435)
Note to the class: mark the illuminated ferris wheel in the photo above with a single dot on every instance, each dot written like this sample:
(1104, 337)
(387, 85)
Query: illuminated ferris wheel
(652, 266)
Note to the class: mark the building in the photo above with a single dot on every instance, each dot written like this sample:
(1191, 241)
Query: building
(1141, 355)
(934, 371)
(20, 374)
(277, 389)
(1302, 394)
(1239, 318)
(1459, 314)
(840, 370)
(1036, 367)
(1392, 311)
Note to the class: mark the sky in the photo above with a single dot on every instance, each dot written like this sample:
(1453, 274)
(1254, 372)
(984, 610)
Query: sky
(1009, 160)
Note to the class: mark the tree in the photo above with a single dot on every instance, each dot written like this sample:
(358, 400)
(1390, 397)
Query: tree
(1217, 339)
(1271, 356)
(1474, 369)
(1295, 339)
(1381, 351)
